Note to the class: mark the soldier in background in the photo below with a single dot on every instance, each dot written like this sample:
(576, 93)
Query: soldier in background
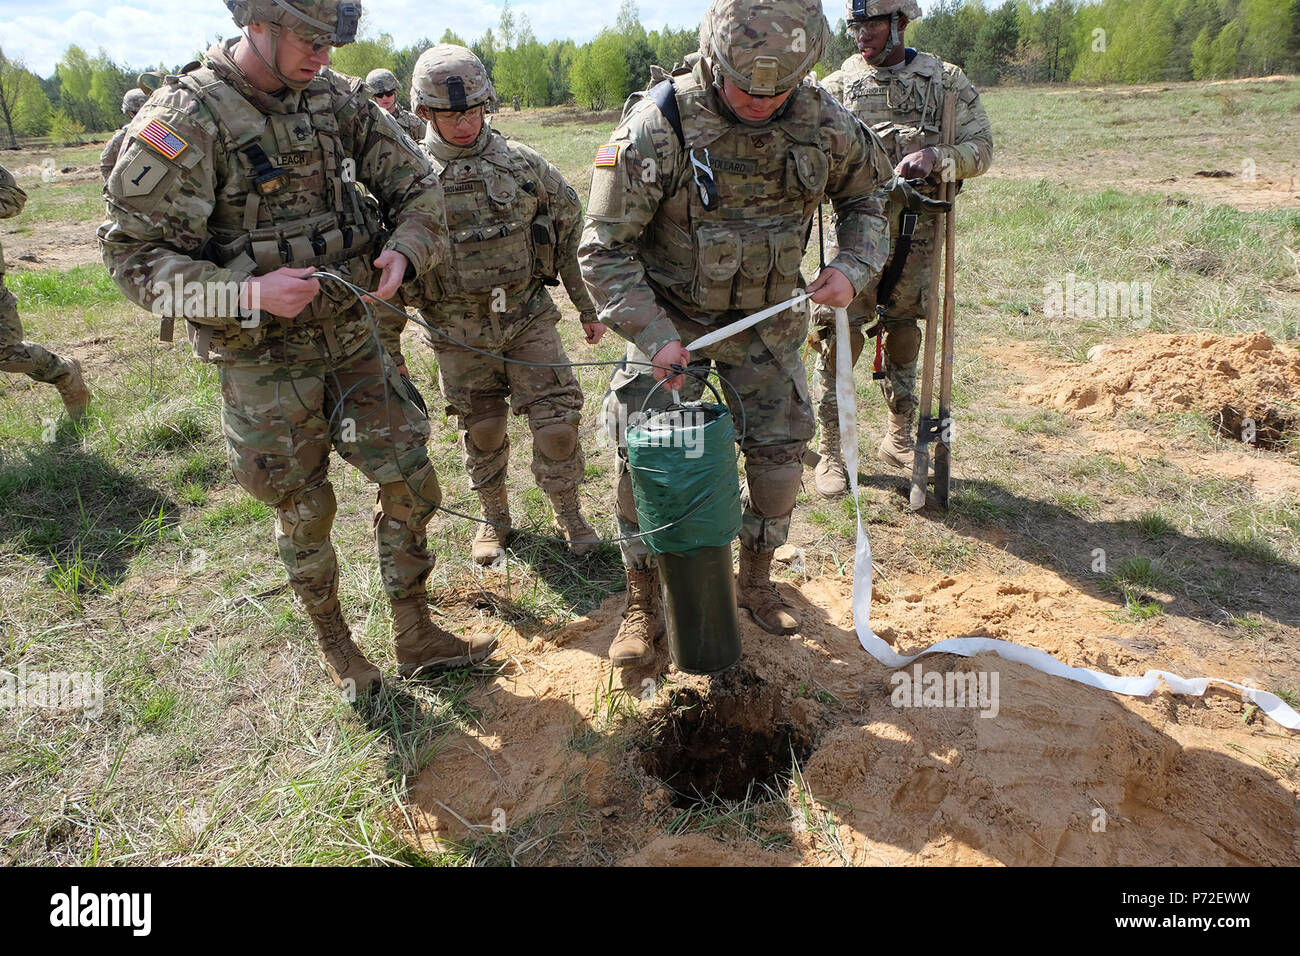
(382, 85)
(28, 358)
(514, 224)
(697, 222)
(245, 172)
(131, 103)
(899, 93)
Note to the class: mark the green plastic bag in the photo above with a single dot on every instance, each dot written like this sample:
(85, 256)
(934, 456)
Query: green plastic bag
(683, 466)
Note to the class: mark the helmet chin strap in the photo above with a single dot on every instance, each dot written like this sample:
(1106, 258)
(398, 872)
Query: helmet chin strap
(274, 28)
(880, 58)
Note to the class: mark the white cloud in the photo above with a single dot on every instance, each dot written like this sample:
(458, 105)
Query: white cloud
(145, 32)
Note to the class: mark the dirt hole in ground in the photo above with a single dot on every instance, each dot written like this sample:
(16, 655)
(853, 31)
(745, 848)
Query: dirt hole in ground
(1271, 430)
(733, 737)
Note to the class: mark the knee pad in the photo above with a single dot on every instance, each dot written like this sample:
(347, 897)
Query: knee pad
(487, 434)
(307, 516)
(414, 500)
(773, 485)
(557, 441)
(902, 342)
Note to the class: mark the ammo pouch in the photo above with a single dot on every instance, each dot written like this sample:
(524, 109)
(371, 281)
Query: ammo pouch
(746, 265)
(543, 241)
(492, 257)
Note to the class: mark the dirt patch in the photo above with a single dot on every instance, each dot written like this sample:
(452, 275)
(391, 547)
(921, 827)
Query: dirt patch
(1060, 774)
(1263, 193)
(53, 245)
(1248, 385)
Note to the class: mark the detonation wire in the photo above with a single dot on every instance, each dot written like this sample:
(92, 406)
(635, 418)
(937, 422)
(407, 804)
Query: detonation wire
(365, 297)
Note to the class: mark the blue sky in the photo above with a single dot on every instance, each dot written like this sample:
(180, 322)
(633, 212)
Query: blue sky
(146, 32)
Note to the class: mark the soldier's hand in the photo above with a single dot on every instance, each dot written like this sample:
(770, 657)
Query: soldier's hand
(832, 287)
(917, 165)
(284, 292)
(393, 265)
(671, 354)
(593, 330)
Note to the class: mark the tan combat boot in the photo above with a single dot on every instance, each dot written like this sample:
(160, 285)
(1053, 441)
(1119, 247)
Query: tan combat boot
(342, 659)
(490, 541)
(642, 623)
(898, 447)
(581, 536)
(831, 476)
(76, 396)
(756, 592)
(423, 647)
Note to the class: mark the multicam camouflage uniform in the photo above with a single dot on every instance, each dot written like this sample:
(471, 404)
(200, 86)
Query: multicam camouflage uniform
(220, 182)
(29, 358)
(904, 105)
(663, 267)
(514, 224)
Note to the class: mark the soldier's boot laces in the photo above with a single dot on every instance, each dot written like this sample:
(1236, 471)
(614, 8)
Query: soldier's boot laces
(343, 661)
(759, 595)
(898, 447)
(490, 540)
(831, 476)
(423, 647)
(581, 536)
(72, 387)
(642, 623)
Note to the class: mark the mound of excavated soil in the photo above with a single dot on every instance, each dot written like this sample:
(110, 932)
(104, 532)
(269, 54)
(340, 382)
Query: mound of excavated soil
(1056, 773)
(1231, 379)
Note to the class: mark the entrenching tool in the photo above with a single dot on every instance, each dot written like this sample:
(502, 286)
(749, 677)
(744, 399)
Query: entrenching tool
(929, 428)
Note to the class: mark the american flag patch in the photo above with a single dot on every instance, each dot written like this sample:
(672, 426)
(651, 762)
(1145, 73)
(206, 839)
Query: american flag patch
(607, 155)
(161, 138)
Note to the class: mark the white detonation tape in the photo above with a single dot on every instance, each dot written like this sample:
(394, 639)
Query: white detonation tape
(727, 331)
(1143, 686)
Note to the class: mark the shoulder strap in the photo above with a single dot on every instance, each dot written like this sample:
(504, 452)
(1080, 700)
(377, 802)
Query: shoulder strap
(664, 95)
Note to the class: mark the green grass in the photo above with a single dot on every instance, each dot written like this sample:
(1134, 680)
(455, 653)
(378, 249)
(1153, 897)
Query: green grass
(77, 288)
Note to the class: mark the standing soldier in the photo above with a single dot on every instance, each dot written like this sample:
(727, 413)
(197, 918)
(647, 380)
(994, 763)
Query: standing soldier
(899, 93)
(700, 205)
(515, 225)
(28, 357)
(244, 173)
(383, 87)
(131, 103)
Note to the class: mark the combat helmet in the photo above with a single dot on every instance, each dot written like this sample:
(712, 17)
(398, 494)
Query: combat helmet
(859, 11)
(765, 47)
(319, 22)
(132, 101)
(450, 77)
(377, 81)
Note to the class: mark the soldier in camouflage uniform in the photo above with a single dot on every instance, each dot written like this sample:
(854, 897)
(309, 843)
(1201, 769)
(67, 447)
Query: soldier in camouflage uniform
(382, 85)
(27, 357)
(899, 93)
(244, 173)
(690, 231)
(515, 225)
(131, 103)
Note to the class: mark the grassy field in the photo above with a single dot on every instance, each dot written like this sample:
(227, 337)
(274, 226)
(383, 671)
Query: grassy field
(127, 550)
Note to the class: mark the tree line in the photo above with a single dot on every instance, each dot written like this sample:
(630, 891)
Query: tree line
(1107, 41)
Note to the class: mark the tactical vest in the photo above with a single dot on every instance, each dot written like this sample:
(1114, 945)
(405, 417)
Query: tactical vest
(296, 202)
(502, 235)
(741, 251)
(904, 110)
